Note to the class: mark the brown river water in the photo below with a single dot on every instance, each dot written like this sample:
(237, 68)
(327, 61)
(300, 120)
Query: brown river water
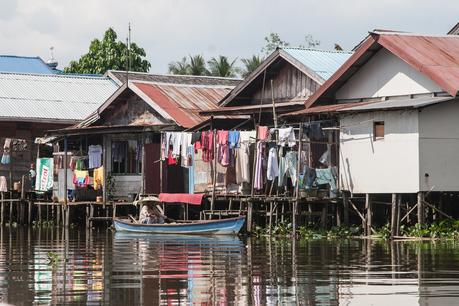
(50, 266)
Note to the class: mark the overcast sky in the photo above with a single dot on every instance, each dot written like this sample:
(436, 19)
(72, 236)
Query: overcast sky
(170, 29)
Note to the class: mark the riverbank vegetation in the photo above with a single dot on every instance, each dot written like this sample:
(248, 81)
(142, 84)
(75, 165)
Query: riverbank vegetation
(445, 229)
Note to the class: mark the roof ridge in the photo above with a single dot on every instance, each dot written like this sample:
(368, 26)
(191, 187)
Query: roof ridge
(58, 75)
(319, 50)
(414, 34)
(21, 56)
(177, 75)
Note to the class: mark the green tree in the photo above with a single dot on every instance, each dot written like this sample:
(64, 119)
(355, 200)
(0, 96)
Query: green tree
(273, 41)
(179, 67)
(222, 67)
(310, 42)
(197, 65)
(250, 64)
(109, 54)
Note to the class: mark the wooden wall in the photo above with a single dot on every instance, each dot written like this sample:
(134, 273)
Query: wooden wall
(130, 109)
(289, 84)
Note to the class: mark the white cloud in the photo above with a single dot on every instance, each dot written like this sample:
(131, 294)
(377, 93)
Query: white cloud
(170, 29)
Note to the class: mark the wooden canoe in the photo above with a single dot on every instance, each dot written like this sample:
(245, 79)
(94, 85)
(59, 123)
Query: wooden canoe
(230, 226)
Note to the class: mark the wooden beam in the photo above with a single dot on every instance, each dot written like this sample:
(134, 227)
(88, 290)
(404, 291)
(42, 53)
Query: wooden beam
(421, 208)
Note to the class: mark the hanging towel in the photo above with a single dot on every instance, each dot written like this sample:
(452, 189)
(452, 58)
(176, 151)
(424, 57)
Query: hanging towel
(193, 199)
(258, 180)
(81, 178)
(247, 136)
(287, 137)
(6, 159)
(223, 148)
(185, 143)
(98, 178)
(263, 133)
(95, 156)
(273, 165)
(233, 139)
(242, 164)
(207, 146)
(3, 184)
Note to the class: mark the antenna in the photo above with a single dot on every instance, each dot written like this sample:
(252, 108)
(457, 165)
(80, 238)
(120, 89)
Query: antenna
(128, 55)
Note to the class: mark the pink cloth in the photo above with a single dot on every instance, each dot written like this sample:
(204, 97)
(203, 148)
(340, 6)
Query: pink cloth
(263, 133)
(193, 199)
(222, 137)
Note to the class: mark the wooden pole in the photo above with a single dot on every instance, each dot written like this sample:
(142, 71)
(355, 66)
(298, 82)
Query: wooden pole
(22, 203)
(369, 211)
(214, 174)
(65, 176)
(297, 185)
(143, 163)
(345, 209)
(421, 208)
(3, 208)
(105, 144)
(161, 162)
(252, 191)
(397, 219)
(394, 216)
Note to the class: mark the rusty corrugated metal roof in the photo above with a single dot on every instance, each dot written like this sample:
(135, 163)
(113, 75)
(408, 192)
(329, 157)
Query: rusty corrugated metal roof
(182, 103)
(437, 57)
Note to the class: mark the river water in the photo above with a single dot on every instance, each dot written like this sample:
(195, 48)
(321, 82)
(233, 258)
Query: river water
(50, 266)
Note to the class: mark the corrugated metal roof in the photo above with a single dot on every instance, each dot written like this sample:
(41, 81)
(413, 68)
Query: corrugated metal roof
(324, 63)
(51, 96)
(182, 103)
(436, 56)
(24, 64)
(120, 77)
(396, 104)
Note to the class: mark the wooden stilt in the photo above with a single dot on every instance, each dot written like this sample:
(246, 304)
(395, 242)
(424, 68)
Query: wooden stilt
(323, 218)
(11, 208)
(58, 215)
(421, 208)
(249, 217)
(338, 215)
(397, 219)
(345, 209)
(87, 216)
(297, 185)
(394, 216)
(65, 180)
(214, 174)
(3, 208)
(39, 214)
(369, 214)
(29, 214)
(440, 205)
(114, 211)
(270, 216)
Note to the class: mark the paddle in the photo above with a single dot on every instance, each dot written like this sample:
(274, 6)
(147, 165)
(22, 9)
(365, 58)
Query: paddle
(133, 219)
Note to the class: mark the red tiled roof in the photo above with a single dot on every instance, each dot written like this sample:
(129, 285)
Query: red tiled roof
(437, 57)
(184, 102)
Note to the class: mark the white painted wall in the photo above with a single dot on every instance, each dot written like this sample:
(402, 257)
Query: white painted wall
(439, 147)
(388, 165)
(386, 75)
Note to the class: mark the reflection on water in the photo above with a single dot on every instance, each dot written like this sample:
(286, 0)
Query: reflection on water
(101, 267)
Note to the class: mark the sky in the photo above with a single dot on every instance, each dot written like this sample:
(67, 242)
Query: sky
(171, 29)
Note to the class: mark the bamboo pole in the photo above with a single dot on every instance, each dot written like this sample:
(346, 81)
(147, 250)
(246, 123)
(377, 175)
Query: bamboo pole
(297, 185)
(345, 209)
(214, 176)
(252, 192)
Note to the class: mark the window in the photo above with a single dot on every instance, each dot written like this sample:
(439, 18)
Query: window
(378, 130)
(126, 157)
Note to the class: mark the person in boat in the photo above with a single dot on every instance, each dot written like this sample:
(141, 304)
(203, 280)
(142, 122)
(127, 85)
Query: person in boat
(150, 215)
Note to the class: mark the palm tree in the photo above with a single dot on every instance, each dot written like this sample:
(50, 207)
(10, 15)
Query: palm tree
(179, 67)
(197, 65)
(222, 67)
(250, 64)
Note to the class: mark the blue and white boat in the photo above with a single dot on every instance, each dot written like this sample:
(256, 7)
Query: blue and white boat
(230, 226)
